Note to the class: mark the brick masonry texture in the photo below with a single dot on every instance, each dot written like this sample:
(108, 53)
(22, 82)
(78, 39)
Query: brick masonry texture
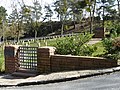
(48, 62)
(11, 58)
(44, 62)
(64, 63)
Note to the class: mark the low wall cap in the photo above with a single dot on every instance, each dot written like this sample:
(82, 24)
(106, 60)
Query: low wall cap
(15, 46)
(50, 47)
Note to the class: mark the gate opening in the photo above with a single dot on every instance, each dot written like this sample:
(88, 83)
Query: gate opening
(28, 57)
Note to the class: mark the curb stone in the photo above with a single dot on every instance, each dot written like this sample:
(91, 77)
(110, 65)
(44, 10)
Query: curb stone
(68, 78)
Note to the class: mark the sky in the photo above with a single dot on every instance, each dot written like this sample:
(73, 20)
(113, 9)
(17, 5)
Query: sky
(7, 3)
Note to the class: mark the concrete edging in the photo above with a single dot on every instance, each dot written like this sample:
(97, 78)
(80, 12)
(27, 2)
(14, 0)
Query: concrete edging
(68, 78)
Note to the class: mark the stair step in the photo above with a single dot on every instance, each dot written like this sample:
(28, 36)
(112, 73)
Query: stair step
(24, 75)
(27, 71)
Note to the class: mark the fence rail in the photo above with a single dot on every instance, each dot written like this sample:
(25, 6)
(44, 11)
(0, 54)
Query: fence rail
(46, 37)
(40, 38)
(49, 37)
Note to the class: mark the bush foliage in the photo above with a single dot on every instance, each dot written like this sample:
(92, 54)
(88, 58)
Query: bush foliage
(112, 47)
(75, 45)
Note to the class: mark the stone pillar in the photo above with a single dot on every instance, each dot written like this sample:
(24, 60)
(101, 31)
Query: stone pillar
(44, 62)
(11, 58)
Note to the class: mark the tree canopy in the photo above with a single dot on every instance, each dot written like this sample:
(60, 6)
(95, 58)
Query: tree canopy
(29, 19)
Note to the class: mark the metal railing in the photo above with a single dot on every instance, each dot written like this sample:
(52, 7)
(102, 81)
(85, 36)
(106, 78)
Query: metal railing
(28, 57)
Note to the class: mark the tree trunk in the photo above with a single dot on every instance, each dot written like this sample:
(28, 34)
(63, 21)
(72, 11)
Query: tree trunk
(18, 34)
(93, 14)
(118, 7)
(3, 31)
(74, 22)
(18, 37)
(62, 24)
(62, 28)
(103, 16)
(35, 34)
(90, 21)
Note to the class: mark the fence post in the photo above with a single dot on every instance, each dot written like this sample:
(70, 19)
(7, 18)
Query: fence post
(43, 62)
(11, 58)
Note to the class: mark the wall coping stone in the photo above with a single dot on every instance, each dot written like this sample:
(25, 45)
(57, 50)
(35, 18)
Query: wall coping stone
(15, 46)
(81, 56)
(50, 47)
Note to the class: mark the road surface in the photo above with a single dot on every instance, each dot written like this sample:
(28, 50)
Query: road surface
(103, 82)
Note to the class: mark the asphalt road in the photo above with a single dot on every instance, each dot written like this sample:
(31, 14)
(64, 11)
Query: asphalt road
(103, 82)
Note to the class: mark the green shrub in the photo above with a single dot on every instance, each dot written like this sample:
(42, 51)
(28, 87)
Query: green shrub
(116, 42)
(115, 56)
(115, 30)
(113, 27)
(100, 49)
(72, 45)
(87, 50)
(107, 43)
(112, 48)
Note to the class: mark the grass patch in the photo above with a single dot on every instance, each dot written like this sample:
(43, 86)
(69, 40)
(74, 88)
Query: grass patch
(2, 64)
(40, 43)
(100, 49)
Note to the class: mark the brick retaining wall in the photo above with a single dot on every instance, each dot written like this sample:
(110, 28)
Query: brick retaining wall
(49, 62)
(64, 62)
